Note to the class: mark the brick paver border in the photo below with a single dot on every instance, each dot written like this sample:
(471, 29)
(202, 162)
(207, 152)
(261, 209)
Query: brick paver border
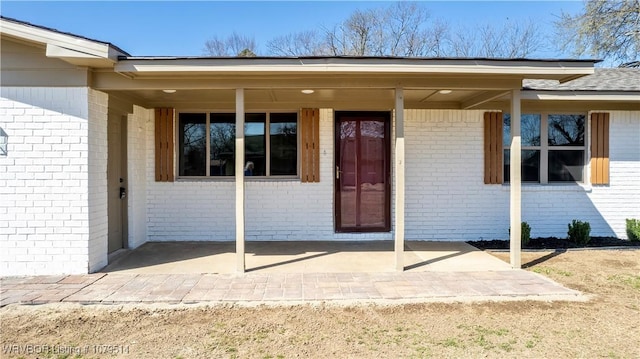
(101, 288)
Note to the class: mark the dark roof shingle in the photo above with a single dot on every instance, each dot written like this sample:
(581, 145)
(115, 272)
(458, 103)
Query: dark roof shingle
(614, 79)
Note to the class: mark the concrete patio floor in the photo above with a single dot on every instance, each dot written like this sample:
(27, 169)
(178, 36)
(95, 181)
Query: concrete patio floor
(291, 272)
(302, 257)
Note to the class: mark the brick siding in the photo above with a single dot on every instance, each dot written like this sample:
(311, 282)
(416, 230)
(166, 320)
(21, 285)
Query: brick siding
(44, 181)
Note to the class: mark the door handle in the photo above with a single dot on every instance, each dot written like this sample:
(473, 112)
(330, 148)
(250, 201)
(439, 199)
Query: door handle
(338, 172)
(123, 193)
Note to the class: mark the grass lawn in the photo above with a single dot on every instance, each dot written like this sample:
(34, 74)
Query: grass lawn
(606, 326)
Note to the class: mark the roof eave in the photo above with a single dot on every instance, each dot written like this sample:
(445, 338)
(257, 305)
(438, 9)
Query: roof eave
(561, 70)
(564, 95)
(76, 50)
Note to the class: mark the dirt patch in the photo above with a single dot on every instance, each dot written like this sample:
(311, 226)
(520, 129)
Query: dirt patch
(605, 326)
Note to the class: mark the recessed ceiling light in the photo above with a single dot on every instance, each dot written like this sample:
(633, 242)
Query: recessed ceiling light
(169, 91)
(445, 92)
(307, 92)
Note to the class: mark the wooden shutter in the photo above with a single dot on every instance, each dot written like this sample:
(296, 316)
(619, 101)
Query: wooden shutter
(599, 148)
(493, 152)
(310, 151)
(164, 145)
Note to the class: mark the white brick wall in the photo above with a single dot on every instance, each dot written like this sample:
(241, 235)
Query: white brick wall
(621, 199)
(137, 124)
(97, 158)
(446, 197)
(44, 215)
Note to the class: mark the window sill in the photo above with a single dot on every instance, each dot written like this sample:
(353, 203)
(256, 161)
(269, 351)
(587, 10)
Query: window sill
(232, 179)
(551, 187)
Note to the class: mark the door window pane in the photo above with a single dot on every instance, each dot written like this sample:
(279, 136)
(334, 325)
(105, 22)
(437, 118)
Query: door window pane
(372, 156)
(530, 165)
(347, 176)
(222, 131)
(284, 144)
(566, 166)
(192, 137)
(566, 130)
(254, 144)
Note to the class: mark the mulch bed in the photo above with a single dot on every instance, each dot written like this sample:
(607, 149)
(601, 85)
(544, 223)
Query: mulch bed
(556, 243)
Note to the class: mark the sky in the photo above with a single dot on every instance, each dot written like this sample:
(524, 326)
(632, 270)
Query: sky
(180, 28)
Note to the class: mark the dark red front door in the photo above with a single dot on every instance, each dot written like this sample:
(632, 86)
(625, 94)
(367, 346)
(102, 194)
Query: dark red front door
(362, 188)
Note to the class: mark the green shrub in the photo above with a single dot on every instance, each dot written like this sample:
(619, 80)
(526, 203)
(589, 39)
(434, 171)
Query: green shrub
(525, 233)
(579, 232)
(633, 229)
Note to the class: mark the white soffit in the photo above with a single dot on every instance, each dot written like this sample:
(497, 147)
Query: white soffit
(62, 52)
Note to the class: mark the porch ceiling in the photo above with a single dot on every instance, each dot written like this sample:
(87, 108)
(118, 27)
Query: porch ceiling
(339, 98)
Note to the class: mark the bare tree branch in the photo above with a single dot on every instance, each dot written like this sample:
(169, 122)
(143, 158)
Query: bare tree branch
(305, 43)
(463, 43)
(233, 45)
(607, 29)
(215, 47)
(403, 29)
(512, 40)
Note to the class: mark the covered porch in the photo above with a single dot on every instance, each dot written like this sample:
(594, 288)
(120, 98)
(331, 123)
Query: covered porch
(242, 86)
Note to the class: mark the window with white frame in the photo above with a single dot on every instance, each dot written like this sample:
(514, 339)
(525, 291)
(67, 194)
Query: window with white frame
(553, 147)
(271, 144)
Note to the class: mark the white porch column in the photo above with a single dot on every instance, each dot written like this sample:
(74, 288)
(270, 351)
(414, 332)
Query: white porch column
(515, 216)
(240, 265)
(399, 181)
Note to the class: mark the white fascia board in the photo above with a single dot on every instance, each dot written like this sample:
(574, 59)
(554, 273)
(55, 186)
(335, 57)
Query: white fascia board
(59, 40)
(528, 70)
(581, 96)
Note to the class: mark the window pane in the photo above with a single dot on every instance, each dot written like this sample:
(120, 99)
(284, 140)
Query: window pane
(530, 165)
(192, 133)
(284, 144)
(566, 166)
(566, 130)
(222, 133)
(506, 129)
(254, 156)
(529, 129)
